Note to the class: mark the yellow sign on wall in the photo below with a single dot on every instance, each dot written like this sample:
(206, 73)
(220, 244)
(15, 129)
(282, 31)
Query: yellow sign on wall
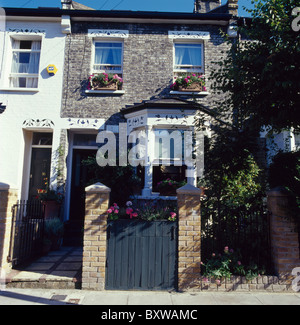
(51, 69)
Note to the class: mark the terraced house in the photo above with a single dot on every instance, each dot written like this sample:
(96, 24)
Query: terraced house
(68, 74)
(52, 110)
(146, 51)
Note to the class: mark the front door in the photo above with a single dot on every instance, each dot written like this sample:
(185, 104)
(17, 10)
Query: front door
(39, 170)
(81, 177)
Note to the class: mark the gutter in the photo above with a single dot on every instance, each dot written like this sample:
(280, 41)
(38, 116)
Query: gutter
(124, 16)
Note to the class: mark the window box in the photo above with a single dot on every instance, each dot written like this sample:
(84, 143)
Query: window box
(189, 84)
(194, 87)
(105, 92)
(105, 82)
(112, 86)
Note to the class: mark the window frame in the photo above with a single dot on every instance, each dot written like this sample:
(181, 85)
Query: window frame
(191, 69)
(24, 75)
(113, 71)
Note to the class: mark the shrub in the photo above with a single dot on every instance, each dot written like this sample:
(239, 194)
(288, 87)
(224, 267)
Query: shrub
(228, 263)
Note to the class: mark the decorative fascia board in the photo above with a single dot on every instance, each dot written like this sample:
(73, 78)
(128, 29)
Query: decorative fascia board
(110, 33)
(26, 31)
(84, 123)
(38, 123)
(189, 35)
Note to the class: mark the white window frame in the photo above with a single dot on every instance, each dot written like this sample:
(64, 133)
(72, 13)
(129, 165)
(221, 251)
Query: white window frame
(189, 68)
(24, 75)
(114, 71)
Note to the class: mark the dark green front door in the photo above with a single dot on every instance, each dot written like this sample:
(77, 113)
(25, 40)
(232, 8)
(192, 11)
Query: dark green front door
(81, 176)
(39, 170)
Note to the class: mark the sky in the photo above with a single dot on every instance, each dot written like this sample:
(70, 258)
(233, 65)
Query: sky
(135, 5)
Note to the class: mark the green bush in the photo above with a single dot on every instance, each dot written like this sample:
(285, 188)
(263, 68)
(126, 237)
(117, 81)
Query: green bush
(228, 263)
(285, 171)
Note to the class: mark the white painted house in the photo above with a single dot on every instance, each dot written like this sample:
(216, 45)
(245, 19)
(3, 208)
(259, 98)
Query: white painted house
(31, 81)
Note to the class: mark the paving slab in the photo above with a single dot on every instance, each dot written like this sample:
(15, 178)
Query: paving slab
(202, 298)
(68, 266)
(39, 266)
(107, 298)
(279, 299)
(27, 276)
(61, 275)
(74, 258)
(150, 298)
(230, 298)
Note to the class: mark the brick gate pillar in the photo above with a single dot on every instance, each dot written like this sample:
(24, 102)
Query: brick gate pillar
(94, 239)
(8, 197)
(283, 232)
(189, 237)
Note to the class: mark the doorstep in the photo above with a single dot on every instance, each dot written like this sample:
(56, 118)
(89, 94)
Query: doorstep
(58, 270)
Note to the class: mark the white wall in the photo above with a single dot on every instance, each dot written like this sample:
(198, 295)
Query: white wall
(22, 106)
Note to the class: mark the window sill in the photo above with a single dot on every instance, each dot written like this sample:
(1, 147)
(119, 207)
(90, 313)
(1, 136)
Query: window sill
(105, 92)
(30, 90)
(201, 93)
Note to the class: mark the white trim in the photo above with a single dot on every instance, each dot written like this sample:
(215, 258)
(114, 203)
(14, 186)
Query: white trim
(182, 93)
(103, 40)
(108, 92)
(33, 90)
(108, 33)
(188, 35)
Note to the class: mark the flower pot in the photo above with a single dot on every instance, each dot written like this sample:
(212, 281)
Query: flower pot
(46, 246)
(52, 209)
(195, 86)
(167, 192)
(110, 86)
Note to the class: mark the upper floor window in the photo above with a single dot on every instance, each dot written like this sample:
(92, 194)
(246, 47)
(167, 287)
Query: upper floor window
(108, 57)
(188, 57)
(25, 63)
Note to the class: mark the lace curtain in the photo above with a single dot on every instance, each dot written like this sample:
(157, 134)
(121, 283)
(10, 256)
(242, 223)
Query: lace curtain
(25, 62)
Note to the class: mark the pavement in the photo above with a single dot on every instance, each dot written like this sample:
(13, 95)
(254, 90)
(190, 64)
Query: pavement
(55, 280)
(17, 296)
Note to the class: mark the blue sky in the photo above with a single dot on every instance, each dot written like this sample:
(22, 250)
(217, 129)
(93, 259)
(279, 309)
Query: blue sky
(141, 5)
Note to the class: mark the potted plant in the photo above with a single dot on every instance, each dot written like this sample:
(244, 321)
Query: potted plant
(168, 187)
(189, 83)
(52, 201)
(47, 243)
(53, 232)
(104, 81)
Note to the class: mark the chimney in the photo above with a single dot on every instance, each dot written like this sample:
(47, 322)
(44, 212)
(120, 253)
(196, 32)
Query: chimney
(66, 4)
(233, 7)
(204, 6)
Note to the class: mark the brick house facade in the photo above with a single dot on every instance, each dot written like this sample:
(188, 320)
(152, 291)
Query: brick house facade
(147, 40)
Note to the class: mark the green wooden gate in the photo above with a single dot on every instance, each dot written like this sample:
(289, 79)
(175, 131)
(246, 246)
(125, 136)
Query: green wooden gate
(141, 255)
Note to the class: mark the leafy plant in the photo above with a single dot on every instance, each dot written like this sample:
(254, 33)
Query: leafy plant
(149, 211)
(228, 263)
(186, 80)
(170, 185)
(259, 72)
(50, 195)
(104, 79)
(53, 231)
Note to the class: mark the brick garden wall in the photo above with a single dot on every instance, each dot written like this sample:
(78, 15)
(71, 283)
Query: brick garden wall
(189, 246)
(8, 197)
